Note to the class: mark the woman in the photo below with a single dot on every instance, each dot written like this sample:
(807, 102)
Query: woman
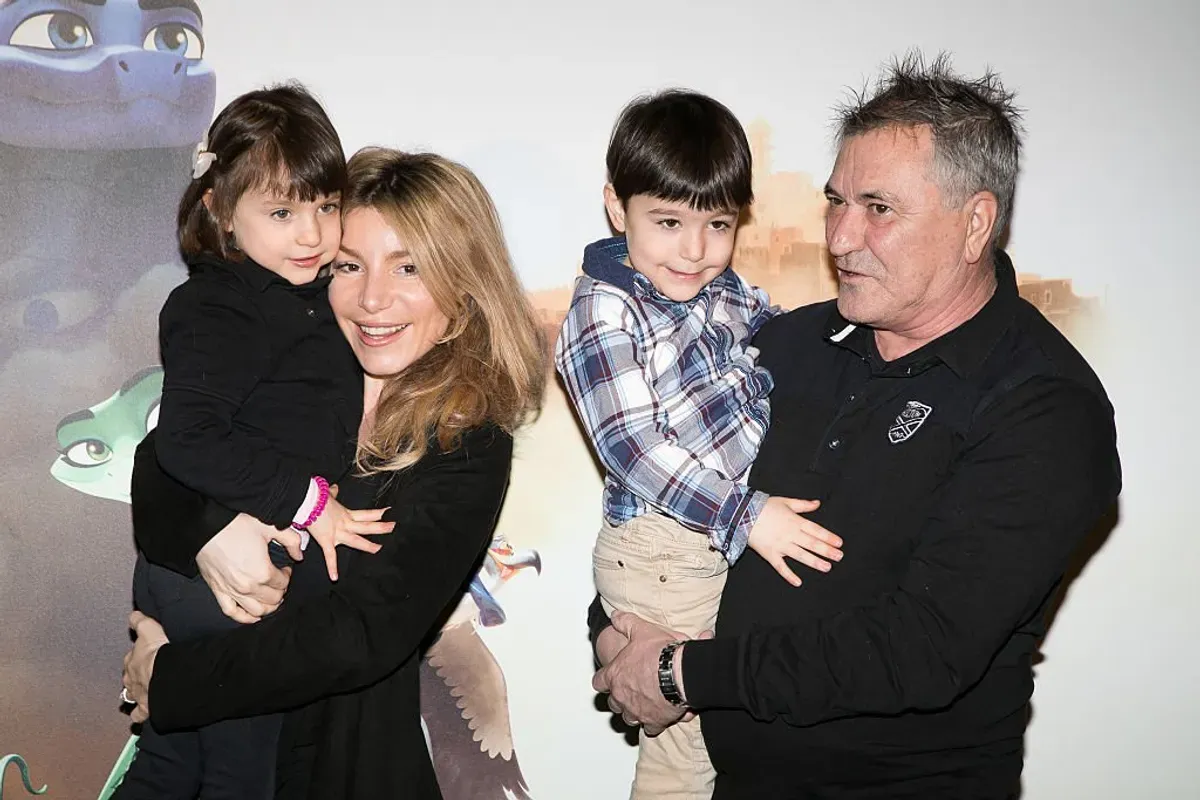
(425, 294)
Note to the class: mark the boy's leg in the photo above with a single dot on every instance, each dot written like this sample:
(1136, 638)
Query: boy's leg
(668, 575)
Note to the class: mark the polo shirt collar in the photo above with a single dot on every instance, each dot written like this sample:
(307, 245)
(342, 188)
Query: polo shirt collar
(963, 349)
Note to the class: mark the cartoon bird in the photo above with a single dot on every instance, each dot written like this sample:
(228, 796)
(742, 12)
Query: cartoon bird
(96, 445)
(464, 697)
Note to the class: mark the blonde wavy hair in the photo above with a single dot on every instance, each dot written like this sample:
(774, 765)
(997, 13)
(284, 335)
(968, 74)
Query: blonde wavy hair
(490, 366)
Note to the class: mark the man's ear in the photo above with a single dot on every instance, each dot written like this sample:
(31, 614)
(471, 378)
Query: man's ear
(615, 208)
(982, 210)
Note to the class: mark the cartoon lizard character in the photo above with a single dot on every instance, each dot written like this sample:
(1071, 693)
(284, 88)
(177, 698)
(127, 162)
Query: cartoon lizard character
(96, 445)
(103, 104)
(23, 769)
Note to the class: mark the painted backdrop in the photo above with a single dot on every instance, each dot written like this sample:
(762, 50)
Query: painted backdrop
(101, 104)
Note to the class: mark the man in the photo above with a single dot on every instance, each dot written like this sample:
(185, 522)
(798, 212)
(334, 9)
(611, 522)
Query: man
(957, 442)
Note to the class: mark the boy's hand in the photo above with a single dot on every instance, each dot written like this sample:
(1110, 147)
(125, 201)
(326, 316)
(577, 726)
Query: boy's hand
(339, 525)
(781, 531)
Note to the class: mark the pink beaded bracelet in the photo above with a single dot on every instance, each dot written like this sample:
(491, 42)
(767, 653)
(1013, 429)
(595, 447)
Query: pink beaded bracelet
(322, 499)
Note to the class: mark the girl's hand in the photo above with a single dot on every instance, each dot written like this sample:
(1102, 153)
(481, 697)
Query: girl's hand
(339, 525)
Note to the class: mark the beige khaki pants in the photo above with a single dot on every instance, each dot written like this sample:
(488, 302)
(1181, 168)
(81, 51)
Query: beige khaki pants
(667, 574)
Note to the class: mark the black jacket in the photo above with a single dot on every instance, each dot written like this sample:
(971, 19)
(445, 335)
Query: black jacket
(260, 389)
(344, 657)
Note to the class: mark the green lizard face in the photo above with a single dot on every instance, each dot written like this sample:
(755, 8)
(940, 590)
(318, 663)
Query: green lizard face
(96, 445)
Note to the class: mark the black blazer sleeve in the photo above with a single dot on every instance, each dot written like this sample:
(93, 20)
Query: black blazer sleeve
(214, 352)
(366, 625)
(171, 522)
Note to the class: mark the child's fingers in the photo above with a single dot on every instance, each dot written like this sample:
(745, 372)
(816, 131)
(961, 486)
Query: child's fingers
(817, 546)
(797, 553)
(330, 551)
(369, 514)
(798, 506)
(353, 540)
(817, 532)
(785, 571)
(370, 528)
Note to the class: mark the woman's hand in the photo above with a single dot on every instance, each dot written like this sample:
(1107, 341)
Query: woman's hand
(237, 568)
(339, 525)
(139, 664)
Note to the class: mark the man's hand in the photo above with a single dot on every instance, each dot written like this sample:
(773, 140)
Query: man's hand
(139, 663)
(631, 678)
(238, 570)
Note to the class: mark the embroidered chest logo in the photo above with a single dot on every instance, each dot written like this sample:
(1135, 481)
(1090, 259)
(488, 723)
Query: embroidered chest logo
(908, 421)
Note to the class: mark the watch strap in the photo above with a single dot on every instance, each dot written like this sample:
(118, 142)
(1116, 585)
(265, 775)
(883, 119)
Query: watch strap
(666, 674)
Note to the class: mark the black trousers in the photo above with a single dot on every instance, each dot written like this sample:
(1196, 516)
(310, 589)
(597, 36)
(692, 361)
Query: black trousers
(231, 760)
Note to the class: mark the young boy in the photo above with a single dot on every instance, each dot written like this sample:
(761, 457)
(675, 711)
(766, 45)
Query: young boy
(655, 356)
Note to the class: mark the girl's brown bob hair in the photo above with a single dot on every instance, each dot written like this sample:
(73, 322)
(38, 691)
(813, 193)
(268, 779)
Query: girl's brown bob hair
(277, 140)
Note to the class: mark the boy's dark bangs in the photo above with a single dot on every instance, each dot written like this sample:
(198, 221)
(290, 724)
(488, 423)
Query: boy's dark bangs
(708, 173)
(714, 189)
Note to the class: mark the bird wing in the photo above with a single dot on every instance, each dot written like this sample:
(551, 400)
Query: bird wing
(471, 672)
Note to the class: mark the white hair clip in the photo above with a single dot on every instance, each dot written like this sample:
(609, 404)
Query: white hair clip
(202, 160)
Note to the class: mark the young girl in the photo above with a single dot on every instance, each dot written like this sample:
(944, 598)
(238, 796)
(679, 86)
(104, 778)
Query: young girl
(261, 402)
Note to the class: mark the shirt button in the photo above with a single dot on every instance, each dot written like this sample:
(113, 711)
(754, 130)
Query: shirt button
(662, 578)
(835, 444)
(850, 399)
(310, 312)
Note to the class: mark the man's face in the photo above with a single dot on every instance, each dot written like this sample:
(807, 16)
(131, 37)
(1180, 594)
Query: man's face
(899, 251)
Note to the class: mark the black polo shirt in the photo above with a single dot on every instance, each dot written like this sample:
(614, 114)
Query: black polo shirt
(961, 477)
(260, 392)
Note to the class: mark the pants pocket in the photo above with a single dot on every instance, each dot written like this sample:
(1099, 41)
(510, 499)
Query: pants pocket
(608, 573)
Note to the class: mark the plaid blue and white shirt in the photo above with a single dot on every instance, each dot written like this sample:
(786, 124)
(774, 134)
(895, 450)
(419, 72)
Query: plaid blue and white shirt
(670, 394)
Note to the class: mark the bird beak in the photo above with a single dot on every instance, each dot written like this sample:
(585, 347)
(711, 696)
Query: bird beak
(521, 559)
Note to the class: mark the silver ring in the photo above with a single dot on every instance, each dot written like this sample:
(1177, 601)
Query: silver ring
(125, 698)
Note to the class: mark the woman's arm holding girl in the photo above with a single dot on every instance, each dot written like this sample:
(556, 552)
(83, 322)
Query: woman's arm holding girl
(361, 629)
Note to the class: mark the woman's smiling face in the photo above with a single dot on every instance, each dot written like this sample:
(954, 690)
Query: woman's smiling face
(379, 299)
